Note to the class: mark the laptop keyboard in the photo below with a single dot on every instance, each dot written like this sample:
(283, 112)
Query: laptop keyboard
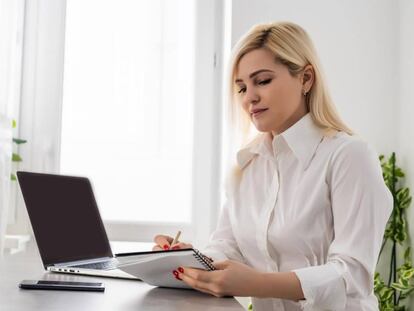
(105, 265)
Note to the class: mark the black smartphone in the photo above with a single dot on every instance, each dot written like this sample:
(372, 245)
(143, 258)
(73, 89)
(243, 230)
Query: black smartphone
(62, 285)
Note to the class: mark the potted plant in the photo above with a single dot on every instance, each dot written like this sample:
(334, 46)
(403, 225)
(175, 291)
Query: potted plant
(15, 156)
(400, 283)
(7, 157)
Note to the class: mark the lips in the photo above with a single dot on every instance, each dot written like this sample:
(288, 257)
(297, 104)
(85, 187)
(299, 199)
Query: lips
(258, 111)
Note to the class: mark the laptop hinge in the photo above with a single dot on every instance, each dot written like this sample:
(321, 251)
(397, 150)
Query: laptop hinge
(80, 262)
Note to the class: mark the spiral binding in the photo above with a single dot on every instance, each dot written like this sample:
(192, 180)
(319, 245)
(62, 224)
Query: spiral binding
(204, 260)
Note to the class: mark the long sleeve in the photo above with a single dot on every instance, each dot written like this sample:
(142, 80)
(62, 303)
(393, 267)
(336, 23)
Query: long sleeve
(361, 205)
(222, 244)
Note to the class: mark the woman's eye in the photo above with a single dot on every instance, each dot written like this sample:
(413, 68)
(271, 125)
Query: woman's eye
(264, 82)
(242, 90)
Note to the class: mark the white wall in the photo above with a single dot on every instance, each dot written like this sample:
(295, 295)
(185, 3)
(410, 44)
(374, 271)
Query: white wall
(405, 124)
(358, 48)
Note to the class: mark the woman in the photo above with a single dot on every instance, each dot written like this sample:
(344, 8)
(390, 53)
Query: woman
(307, 207)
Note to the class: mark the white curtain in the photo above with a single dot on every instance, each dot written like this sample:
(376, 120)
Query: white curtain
(5, 170)
(11, 35)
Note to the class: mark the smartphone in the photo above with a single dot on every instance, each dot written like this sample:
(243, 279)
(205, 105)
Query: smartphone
(62, 285)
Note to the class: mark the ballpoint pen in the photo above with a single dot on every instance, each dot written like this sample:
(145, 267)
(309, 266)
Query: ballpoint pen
(177, 236)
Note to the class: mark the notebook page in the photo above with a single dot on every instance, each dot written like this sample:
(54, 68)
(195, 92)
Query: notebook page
(158, 270)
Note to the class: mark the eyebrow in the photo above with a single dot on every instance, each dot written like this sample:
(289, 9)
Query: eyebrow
(253, 74)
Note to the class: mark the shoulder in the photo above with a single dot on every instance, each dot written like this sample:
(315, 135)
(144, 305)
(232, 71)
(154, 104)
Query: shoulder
(249, 151)
(353, 156)
(351, 148)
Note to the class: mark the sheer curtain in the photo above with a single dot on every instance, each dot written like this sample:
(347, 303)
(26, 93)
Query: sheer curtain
(11, 35)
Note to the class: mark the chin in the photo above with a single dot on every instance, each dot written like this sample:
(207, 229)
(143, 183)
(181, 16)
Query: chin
(262, 128)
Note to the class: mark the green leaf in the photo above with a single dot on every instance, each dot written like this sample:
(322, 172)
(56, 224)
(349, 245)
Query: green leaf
(399, 286)
(16, 158)
(14, 123)
(19, 141)
(399, 172)
(13, 177)
(407, 293)
(407, 255)
(403, 198)
(387, 294)
(408, 274)
(404, 282)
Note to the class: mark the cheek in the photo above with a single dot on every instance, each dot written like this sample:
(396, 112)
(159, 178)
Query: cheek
(285, 97)
(244, 105)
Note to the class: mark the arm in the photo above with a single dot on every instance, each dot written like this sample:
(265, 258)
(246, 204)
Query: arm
(233, 278)
(222, 244)
(361, 206)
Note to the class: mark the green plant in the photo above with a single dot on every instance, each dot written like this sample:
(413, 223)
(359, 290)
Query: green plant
(400, 278)
(15, 156)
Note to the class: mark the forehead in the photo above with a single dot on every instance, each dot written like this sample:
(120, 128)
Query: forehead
(256, 60)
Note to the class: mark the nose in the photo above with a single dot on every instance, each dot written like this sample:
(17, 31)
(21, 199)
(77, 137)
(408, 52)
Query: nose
(251, 97)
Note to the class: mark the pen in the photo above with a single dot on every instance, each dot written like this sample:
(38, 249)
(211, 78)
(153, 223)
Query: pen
(177, 236)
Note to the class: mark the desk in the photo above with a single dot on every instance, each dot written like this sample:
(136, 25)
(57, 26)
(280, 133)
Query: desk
(119, 294)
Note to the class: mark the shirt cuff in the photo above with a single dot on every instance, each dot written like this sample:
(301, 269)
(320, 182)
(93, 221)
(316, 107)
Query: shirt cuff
(323, 287)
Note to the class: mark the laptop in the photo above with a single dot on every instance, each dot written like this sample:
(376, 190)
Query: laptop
(67, 225)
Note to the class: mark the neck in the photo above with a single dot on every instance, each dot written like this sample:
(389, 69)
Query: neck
(295, 117)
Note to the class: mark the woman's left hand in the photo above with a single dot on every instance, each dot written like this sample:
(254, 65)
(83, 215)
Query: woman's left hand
(230, 279)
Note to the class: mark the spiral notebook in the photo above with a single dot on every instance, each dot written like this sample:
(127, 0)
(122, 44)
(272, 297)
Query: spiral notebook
(155, 268)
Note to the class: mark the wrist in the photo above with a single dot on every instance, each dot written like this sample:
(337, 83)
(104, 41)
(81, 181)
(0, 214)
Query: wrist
(284, 285)
(264, 285)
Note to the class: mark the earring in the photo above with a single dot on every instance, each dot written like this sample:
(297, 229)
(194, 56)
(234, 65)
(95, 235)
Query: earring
(304, 93)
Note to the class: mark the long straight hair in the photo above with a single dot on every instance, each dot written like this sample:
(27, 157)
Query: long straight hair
(292, 47)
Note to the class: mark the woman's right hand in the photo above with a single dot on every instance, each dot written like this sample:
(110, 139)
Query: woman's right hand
(163, 243)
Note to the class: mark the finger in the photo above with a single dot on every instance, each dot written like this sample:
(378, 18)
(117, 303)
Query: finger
(198, 274)
(181, 245)
(198, 285)
(157, 248)
(163, 241)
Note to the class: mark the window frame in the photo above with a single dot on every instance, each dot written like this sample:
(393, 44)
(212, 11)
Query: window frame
(41, 115)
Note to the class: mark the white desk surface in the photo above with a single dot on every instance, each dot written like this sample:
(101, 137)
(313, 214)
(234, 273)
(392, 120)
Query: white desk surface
(120, 294)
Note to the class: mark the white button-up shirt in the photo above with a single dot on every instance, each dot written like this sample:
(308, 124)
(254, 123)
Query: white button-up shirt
(309, 203)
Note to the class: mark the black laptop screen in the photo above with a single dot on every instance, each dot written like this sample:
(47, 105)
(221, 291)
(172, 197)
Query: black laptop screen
(64, 217)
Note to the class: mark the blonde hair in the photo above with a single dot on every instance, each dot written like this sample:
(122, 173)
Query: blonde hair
(293, 48)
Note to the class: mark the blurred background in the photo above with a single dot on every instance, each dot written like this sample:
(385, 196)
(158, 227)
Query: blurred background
(132, 94)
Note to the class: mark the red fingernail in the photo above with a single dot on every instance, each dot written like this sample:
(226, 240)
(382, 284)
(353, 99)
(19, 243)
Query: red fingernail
(166, 247)
(175, 247)
(175, 273)
(181, 269)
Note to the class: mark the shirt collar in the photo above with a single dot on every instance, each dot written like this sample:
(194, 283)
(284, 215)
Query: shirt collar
(302, 138)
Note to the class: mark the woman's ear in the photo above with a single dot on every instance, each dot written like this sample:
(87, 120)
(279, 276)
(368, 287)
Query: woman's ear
(308, 78)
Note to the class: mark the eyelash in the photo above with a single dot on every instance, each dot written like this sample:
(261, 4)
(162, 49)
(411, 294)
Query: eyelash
(263, 82)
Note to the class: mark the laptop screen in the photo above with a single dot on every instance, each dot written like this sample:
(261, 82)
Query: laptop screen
(64, 217)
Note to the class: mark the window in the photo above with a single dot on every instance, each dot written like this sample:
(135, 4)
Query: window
(127, 119)
(128, 93)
